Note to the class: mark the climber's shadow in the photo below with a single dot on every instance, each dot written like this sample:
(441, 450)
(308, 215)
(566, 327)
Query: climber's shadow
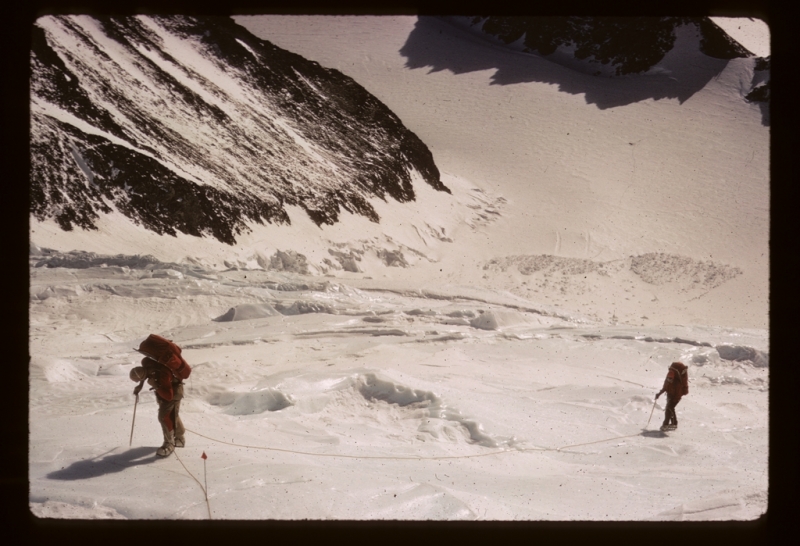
(105, 464)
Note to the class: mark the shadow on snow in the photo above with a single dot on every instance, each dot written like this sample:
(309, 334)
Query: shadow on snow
(439, 45)
(108, 464)
(653, 434)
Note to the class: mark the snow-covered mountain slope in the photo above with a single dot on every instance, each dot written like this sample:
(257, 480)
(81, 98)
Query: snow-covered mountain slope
(194, 125)
(754, 33)
(546, 165)
(671, 162)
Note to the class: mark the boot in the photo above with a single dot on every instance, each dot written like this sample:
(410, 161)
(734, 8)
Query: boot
(168, 446)
(180, 441)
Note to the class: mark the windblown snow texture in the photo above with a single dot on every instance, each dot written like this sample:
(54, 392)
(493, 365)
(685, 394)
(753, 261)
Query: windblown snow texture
(629, 44)
(193, 125)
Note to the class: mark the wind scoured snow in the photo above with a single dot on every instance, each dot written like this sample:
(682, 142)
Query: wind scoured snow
(247, 47)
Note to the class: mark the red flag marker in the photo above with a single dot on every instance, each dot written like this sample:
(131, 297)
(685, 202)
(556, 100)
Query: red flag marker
(205, 479)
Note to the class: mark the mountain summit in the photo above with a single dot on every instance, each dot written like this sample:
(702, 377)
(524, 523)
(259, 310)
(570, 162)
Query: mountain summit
(194, 125)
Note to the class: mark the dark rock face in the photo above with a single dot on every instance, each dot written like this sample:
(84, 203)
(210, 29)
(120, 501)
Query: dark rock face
(760, 93)
(760, 86)
(656, 58)
(193, 125)
(630, 44)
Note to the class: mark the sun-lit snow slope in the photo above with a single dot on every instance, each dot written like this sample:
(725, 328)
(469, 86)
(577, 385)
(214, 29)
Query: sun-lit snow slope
(753, 34)
(314, 399)
(674, 161)
(194, 125)
(625, 174)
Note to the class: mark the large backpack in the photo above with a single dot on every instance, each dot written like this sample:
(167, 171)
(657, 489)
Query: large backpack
(682, 374)
(685, 380)
(166, 353)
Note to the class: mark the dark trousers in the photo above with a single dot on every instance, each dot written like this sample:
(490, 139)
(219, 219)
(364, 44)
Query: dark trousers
(669, 414)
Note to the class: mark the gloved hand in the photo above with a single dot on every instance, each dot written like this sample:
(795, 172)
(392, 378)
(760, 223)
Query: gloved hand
(138, 388)
(658, 394)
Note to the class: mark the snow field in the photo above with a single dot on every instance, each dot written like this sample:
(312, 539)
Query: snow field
(385, 405)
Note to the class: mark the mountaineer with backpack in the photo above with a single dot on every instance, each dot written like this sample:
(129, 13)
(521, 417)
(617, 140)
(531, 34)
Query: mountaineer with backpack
(675, 385)
(164, 369)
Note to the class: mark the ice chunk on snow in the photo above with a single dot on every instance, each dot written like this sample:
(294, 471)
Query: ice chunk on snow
(498, 319)
(253, 402)
(739, 353)
(485, 321)
(247, 311)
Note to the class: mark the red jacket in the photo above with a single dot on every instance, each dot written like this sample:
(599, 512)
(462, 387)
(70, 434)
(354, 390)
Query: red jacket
(677, 382)
(159, 377)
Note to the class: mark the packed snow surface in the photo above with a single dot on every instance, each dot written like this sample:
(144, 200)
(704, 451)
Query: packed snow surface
(487, 354)
(323, 399)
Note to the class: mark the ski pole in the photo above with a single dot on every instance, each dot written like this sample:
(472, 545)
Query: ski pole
(134, 419)
(651, 413)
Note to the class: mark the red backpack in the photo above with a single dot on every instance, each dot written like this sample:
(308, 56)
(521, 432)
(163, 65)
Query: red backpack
(681, 380)
(166, 353)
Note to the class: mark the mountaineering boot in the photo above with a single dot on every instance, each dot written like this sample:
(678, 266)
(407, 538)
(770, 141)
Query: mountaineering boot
(180, 441)
(168, 446)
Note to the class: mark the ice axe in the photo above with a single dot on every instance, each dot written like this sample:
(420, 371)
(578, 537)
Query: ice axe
(136, 403)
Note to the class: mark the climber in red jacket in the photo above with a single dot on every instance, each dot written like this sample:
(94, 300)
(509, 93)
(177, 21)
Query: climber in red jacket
(164, 369)
(675, 385)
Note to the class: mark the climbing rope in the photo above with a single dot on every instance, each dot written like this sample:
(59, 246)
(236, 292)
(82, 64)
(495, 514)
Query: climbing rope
(205, 493)
(388, 457)
(411, 458)
(616, 438)
(595, 442)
